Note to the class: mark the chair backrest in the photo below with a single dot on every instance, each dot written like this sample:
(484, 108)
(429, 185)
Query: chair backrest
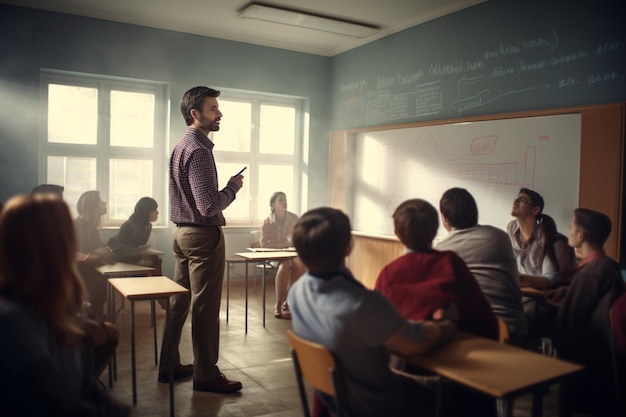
(256, 239)
(315, 364)
(616, 366)
(503, 331)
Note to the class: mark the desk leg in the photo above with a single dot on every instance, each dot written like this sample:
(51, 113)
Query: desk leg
(538, 402)
(263, 284)
(171, 370)
(154, 329)
(246, 296)
(439, 397)
(565, 404)
(132, 350)
(505, 407)
(110, 301)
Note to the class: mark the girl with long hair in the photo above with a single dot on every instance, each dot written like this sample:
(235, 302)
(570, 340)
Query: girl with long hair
(43, 355)
(92, 252)
(135, 232)
(276, 233)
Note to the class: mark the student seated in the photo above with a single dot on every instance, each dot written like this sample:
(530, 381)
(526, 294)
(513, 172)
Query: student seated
(488, 253)
(618, 321)
(91, 251)
(44, 355)
(544, 259)
(134, 233)
(425, 280)
(276, 234)
(330, 307)
(581, 326)
(102, 337)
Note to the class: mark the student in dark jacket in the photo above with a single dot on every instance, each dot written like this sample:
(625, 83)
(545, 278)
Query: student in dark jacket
(135, 232)
(581, 327)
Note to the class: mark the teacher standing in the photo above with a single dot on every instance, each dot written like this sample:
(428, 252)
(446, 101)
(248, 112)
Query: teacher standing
(198, 244)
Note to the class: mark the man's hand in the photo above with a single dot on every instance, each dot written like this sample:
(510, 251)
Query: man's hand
(238, 181)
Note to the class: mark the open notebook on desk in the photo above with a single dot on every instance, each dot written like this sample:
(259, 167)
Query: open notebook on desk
(291, 249)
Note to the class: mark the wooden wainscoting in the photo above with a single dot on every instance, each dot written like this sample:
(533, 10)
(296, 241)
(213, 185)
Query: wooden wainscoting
(370, 254)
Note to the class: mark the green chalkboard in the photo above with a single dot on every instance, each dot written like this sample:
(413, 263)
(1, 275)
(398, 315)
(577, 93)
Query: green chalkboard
(495, 57)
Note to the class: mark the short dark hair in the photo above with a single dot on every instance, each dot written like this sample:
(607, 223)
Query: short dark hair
(416, 222)
(53, 189)
(535, 197)
(459, 207)
(193, 99)
(595, 226)
(321, 237)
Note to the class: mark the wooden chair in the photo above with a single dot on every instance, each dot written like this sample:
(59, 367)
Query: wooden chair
(316, 365)
(503, 331)
(267, 265)
(503, 408)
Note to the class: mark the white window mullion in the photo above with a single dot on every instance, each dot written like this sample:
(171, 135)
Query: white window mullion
(144, 176)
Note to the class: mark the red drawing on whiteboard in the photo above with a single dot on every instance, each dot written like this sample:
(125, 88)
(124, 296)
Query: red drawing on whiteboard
(484, 145)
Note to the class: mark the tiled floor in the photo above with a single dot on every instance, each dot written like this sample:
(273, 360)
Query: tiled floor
(259, 359)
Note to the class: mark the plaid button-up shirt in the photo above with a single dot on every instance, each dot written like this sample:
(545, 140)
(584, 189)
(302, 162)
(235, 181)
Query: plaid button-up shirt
(193, 185)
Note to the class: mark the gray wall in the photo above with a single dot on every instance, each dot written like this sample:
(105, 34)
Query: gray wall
(349, 90)
(31, 40)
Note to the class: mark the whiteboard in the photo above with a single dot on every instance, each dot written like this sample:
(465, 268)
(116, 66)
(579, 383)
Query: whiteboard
(491, 159)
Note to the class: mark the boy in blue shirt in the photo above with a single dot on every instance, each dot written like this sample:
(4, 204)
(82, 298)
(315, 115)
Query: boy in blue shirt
(330, 307)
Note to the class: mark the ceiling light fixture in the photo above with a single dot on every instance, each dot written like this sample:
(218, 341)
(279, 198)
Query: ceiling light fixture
(274, 14)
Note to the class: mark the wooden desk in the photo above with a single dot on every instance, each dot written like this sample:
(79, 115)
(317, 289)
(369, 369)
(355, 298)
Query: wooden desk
(499, 370)
(121, 269)
(150, 251)
(540, 295)
(257, 257)
(117, 270)
(147, 288)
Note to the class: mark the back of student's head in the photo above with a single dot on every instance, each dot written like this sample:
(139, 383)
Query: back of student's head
(596, 226)
(37, 261)
(56, 190)
(321, 237)
(548, 227)
(88, 206)
(459, 207)
(415, 222)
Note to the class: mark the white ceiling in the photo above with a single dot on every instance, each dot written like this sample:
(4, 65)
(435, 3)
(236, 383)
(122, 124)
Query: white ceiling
(220, 19)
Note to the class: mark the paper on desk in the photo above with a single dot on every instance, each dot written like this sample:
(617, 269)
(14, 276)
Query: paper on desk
(290, 249)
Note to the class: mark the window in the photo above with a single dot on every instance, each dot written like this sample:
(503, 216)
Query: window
(265, 134)
(106, 134)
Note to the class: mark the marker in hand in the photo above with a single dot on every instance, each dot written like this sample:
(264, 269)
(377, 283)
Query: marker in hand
(240, 172)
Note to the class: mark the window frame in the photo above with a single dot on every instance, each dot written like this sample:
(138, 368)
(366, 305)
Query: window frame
(102, 151)
(259, 205)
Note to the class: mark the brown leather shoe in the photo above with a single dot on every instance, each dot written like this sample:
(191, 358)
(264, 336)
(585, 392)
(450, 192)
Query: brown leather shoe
(180, 372)
(220, 385)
